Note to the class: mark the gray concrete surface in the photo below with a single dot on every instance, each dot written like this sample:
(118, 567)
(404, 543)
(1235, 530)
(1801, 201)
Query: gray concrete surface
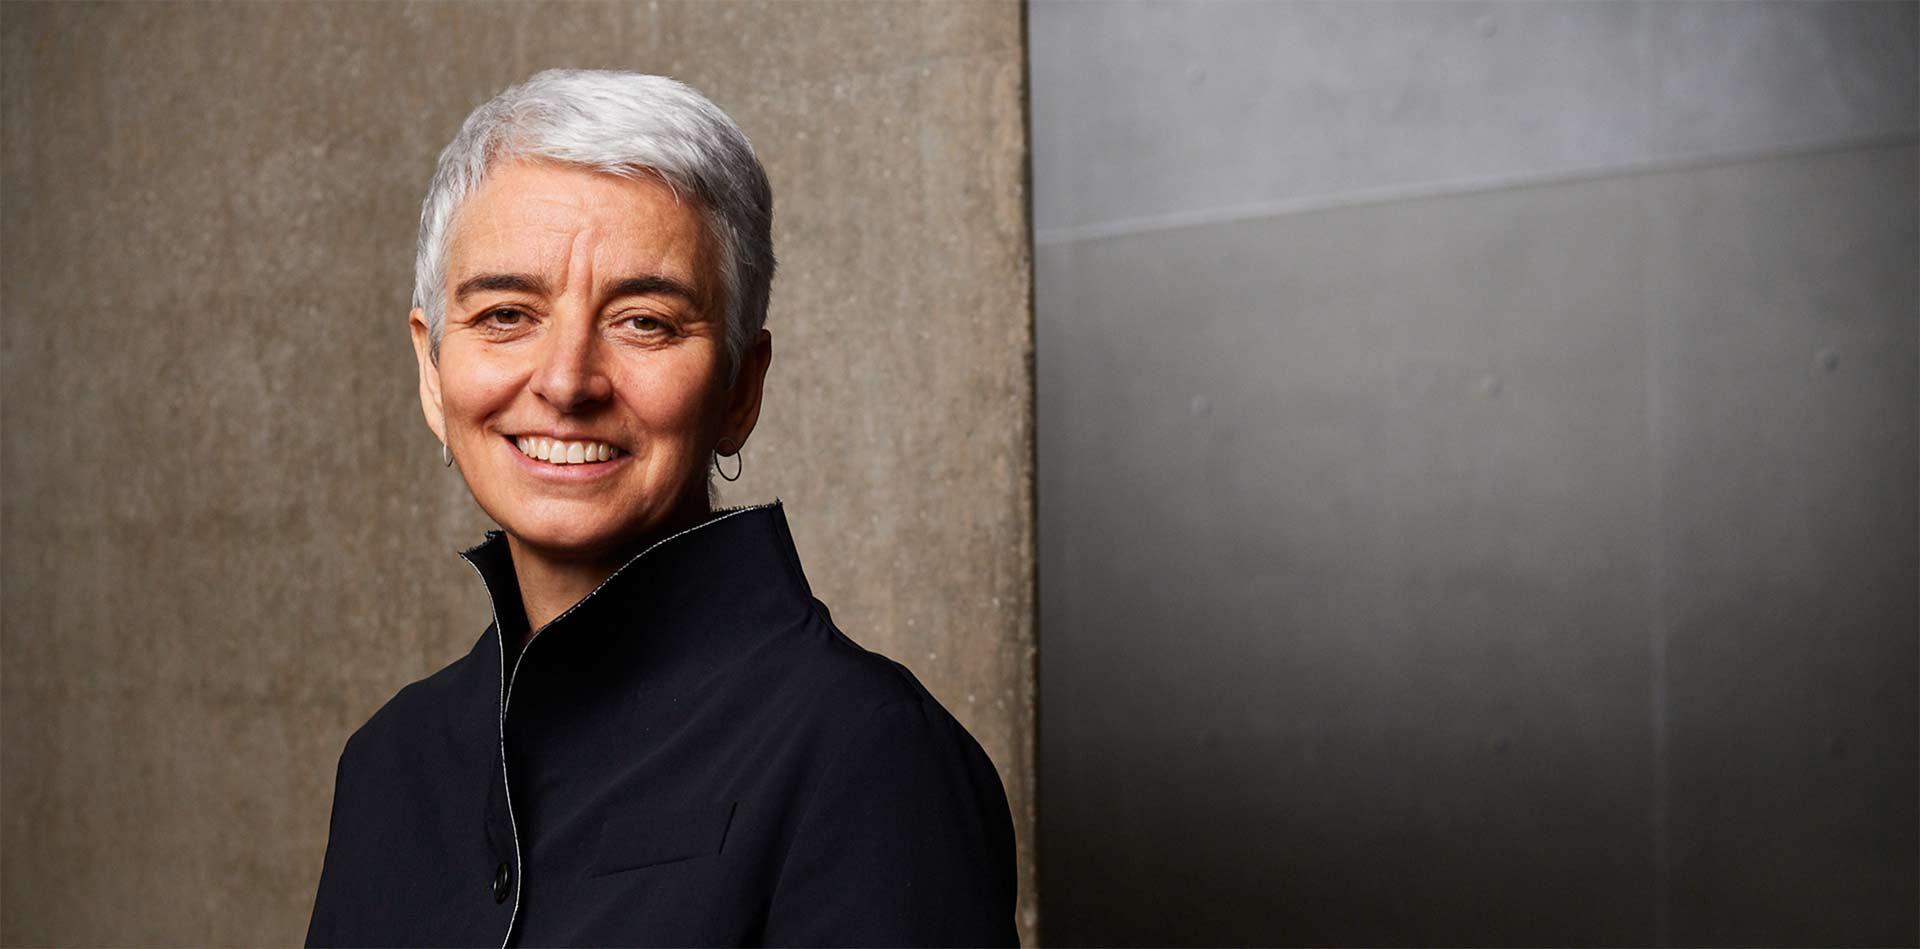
(1202, 110)
(1478, 473)
(227, 534)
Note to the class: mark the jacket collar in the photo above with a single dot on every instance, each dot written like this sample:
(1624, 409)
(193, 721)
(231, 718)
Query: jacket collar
(682, 604)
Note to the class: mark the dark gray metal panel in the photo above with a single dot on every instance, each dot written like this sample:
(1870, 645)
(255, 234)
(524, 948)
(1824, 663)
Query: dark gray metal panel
(1343, 542)
(1468, 570)
(1785, 299)
(1526, 565)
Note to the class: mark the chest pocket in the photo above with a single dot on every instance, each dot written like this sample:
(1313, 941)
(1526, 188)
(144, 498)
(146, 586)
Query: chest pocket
(645, 837)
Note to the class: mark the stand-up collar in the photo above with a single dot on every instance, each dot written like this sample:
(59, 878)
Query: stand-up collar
(687, 599)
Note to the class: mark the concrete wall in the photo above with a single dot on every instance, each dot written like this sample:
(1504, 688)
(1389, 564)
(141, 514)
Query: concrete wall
(227, 534)
(1478, 472)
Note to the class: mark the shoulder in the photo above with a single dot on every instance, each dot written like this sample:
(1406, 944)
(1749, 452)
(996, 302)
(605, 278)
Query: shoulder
(424, 715)
(856, 677)
(858, 702)
(828, 674)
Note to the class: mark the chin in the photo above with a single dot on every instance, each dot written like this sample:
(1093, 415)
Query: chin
(585, 527)
(562, 539)
(560, 532)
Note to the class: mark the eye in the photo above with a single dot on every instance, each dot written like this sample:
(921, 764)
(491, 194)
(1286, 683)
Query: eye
(501, 317)
(647, 324)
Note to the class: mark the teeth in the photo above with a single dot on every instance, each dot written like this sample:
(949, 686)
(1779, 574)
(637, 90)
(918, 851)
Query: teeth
(565, 453)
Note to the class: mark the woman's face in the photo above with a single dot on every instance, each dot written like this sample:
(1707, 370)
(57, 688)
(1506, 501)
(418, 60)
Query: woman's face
(584, 308)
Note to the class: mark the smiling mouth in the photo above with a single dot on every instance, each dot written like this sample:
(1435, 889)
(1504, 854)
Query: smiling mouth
(556, 452)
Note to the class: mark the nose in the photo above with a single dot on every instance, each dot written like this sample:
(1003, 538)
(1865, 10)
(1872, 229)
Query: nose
(570, 376)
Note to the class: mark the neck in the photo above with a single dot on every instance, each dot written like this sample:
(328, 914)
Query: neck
(552, 580)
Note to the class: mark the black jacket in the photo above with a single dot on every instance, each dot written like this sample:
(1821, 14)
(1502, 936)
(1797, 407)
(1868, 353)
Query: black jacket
(691, 755)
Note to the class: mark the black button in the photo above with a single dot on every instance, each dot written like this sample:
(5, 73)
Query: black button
(502, 883)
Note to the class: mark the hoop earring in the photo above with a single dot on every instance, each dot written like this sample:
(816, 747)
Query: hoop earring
(446, 457)
(739, 464)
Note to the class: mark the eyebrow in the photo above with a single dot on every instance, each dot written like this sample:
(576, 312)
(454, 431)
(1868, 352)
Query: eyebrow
(519, 282)
(655, 285)
(643, 285)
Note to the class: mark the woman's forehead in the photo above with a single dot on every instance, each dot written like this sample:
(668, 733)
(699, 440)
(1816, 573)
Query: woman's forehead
(557, 221)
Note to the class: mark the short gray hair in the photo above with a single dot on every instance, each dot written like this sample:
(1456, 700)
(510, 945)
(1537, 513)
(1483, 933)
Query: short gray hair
(622, 123)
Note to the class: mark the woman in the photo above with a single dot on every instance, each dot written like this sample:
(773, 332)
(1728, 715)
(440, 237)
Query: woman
(661, 738)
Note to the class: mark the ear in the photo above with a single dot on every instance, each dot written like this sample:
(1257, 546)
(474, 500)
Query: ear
(743, 400)
(429, 374)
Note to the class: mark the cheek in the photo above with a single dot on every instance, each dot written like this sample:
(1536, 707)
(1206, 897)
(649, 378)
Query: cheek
(471, 387)
(674, 402)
